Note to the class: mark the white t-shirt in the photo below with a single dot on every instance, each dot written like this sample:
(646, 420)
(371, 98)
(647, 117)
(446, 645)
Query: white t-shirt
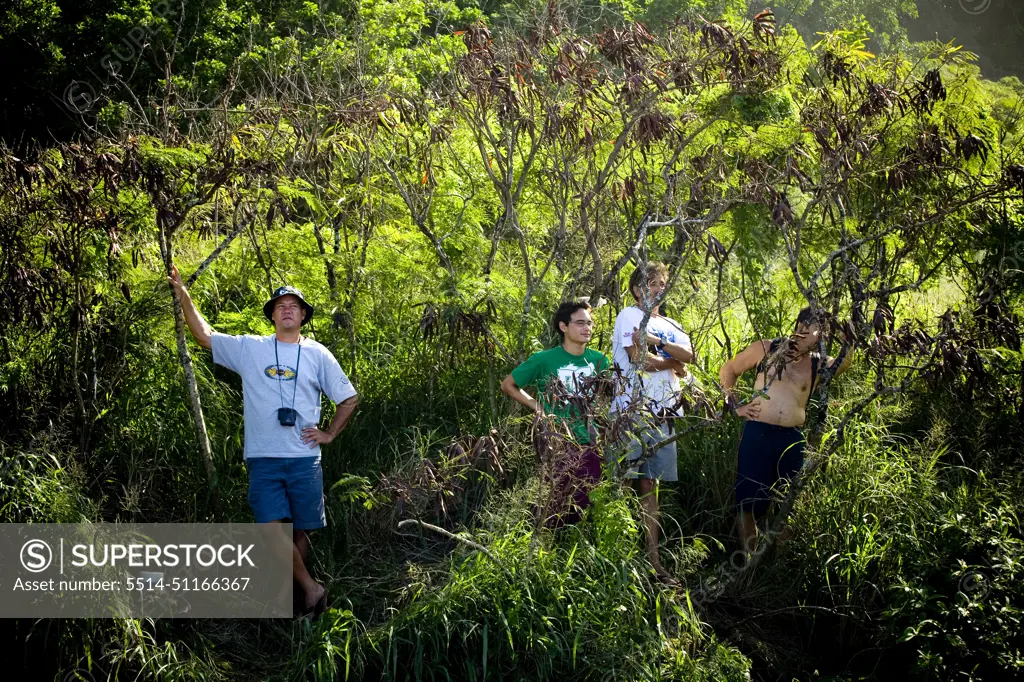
(658, 390)
(268, 383)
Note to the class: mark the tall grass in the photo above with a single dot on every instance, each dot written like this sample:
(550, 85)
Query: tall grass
(900, 559)
(905, 556)
(578, 604)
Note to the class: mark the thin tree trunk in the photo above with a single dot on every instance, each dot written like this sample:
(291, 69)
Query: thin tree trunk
(332, 280)
(241, 225)
(190, 376)
(259, 258)
(83, 433)
(595, 253)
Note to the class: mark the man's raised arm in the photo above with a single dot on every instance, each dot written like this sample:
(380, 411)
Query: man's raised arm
(845, 364)
(199, 327)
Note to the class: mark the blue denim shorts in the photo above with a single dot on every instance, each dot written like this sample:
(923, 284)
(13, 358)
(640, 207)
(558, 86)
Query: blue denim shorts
(282, 488)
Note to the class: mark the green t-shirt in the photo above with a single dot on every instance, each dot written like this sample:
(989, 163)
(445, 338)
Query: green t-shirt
(558, 363)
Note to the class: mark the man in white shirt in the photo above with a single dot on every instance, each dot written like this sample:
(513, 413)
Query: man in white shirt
(283, 377)
(650, 391)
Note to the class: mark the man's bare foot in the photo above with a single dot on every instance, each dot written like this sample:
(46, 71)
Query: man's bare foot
(313, 597)
(667, 579)
(663, 576)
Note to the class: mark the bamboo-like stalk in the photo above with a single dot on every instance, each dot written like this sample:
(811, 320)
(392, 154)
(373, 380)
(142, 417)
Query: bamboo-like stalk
(191, 385)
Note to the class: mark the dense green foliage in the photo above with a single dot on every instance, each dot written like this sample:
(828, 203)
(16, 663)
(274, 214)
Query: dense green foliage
(66, 60)
(436, 184)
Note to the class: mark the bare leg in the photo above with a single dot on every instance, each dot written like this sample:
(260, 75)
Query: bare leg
(312, 590)
(649, 504)
(301, 539)
(748, 531)
(284, 547)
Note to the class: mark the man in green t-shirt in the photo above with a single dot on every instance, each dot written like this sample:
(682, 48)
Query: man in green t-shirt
(559, 376)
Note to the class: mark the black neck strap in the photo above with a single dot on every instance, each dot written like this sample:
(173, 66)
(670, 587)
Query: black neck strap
(295, 386)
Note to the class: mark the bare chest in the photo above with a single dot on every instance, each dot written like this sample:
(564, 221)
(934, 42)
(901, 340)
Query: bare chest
(795, 380)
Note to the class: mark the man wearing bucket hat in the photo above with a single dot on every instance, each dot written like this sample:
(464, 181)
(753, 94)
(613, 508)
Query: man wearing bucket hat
(283, 377)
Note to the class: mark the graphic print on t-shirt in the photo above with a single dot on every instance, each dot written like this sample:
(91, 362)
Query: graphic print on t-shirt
(281, 372)
(570, 376)
(666, 336)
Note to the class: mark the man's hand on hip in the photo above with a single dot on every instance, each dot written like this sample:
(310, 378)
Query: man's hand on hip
(751, 411)
(313, 436)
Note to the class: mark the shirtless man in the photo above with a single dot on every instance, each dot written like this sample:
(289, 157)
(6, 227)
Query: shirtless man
(772, 445)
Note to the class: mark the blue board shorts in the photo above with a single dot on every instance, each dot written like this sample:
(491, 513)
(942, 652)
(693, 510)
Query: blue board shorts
(282, 488)
(769, 455)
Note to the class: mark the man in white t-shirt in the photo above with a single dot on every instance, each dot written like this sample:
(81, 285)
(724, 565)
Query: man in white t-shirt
(283, 377)
(651, 391)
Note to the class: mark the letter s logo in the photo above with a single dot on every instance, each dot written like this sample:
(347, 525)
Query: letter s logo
(36, 556)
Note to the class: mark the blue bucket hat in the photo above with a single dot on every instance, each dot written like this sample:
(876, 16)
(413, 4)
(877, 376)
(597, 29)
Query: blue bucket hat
(268, 307)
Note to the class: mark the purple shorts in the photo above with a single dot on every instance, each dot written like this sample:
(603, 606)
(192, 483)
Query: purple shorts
(574, 474)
